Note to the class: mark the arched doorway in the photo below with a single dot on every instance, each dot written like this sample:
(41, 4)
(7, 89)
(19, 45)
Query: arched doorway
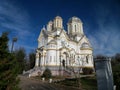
(65, 59)
(63, 63)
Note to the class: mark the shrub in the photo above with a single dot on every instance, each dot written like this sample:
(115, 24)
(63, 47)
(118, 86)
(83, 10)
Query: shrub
(47, 73)
(87, 70)
(116, 76)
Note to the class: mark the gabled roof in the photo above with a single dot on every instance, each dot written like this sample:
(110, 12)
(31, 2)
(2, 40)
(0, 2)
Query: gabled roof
(83, 37)
(46, 33)
(65, 34)
(41, 34)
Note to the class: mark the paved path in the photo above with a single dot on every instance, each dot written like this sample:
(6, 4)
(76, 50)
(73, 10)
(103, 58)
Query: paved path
(33, 84)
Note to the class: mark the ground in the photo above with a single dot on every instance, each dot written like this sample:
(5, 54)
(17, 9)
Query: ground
(27, 83)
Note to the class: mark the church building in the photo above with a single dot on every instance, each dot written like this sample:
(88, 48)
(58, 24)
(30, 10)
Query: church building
(59, 48)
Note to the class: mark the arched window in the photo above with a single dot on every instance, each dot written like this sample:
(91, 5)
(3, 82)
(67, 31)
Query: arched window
(87, 58)
(75, 28)
(50, 58)
(57, 23)
(54, 58)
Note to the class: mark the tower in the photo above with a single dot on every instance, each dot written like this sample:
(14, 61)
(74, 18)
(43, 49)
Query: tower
(58, 22)
(75, 26)
(50, 26)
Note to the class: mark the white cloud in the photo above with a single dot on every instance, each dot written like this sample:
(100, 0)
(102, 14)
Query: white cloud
(16, 20)
(106, 42)
(106, 38)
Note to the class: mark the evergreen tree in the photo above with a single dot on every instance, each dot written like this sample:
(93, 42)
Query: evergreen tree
(116, 70)
(8, 65)
(4, 45)
(20, 55)
(32, 59)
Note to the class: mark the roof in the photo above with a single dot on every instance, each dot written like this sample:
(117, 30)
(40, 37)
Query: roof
(52, 42)
(50, 22)
(58, 17)
(74, 19)
(85, 45)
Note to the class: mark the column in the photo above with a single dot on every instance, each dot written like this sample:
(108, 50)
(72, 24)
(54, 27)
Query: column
(43, 60)
(37, 60)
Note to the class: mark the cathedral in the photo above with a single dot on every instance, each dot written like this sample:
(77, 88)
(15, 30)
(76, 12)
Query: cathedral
(59, 48)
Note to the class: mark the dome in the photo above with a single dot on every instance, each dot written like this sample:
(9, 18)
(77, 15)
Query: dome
(58, 17)
(50, 22)
(74, 19)
(85, 45)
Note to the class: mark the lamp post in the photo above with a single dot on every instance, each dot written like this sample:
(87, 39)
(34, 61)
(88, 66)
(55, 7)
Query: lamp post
(13, 41)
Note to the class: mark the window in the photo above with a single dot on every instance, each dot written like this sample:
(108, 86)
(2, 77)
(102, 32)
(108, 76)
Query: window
(57, 23)
(87, 59)
(54, 58)
(50, 58)
(51, 46)
(43, 41)
(75, 28)
(74, 56)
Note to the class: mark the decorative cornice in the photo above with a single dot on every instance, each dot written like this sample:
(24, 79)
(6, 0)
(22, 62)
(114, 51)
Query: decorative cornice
(51, 49)
(86, 49)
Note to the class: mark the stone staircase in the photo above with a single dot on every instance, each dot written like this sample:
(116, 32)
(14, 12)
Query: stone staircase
(32, 72)
(67, 72)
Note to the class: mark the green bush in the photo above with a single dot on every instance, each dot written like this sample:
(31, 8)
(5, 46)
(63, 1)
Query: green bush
(87, 70)
(116, 76)
(47, 73)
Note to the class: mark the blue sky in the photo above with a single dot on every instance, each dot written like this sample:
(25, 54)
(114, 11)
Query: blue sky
(25, 18)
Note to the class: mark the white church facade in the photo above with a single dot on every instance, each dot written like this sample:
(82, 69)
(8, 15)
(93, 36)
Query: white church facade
(59, 48)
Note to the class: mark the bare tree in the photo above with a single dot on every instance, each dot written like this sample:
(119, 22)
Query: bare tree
(76, 72)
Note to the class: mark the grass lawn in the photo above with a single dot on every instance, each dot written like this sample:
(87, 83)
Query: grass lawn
(88, 83)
